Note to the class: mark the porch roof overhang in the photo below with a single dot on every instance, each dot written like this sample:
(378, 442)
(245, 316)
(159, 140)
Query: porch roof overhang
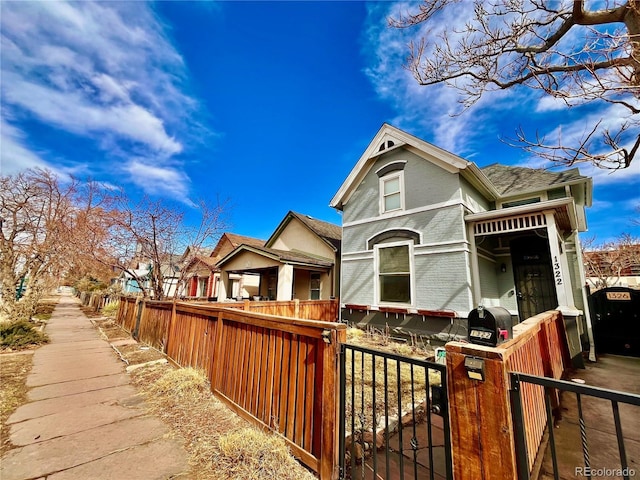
(297, 259)
(520, 218)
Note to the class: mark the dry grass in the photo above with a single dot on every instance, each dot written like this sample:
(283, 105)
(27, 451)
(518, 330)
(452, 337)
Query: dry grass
(14, 369)
(110, 329)
(221, 444)
(139, 353)
(45, 308)
(406, 385)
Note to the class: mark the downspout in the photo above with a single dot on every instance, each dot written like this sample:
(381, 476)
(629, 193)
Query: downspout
(587, 313)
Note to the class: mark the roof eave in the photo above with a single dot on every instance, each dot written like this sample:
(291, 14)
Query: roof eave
(567, 203)
(473, 174)
(585, 180)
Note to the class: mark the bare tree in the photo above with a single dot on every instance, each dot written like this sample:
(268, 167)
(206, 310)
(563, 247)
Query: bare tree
(53, 229)
(34, 213)
(607, 263)
(153, 234)
(563, 49)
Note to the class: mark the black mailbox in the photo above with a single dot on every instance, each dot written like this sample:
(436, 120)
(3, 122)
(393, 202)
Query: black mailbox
(490, 326)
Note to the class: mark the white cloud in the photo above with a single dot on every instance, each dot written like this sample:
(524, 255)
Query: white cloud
(15, 155)
(550, 104)
(103, 71)
(572, 131)
(434, 112)
(158, 180)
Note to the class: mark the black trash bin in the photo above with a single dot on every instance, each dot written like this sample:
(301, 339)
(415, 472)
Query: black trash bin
(490, 326)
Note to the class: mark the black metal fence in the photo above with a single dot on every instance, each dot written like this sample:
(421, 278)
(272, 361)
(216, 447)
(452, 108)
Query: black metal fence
(613, 467)
(394, 419)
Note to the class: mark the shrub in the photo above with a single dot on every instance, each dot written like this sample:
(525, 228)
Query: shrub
(111, 310)
(20, 334)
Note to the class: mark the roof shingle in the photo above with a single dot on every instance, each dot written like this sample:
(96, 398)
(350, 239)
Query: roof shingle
(512, 180)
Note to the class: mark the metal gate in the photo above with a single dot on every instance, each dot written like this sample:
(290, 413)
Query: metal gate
(585, 396)
(394, 417)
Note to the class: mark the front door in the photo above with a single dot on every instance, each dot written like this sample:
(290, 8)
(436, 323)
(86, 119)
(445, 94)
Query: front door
(535, 288)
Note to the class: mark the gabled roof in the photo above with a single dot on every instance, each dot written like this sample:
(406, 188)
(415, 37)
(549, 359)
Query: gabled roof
(282, 256)
(235, 240)
(330, 233)
(195, 251)
(494, 181)
(207, 262)
(514, 180)
(390, 138)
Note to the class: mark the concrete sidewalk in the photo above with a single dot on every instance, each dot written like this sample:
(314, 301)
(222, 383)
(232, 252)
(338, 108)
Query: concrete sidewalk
(612, 372)
(83, 419)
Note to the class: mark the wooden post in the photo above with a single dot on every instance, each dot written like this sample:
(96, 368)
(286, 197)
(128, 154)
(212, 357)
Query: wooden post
(170, 326)
(296, 308)
(136, 329)
(121, 310)
(216, 370)
(330, 395)
(482, 440)
(482, 427)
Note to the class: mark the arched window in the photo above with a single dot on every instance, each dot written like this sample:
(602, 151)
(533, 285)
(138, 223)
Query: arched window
(391, 185)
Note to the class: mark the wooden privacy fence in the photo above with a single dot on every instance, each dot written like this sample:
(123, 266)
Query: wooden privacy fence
(324, 310)
(96, 300)
(279, 372)
(482, 431)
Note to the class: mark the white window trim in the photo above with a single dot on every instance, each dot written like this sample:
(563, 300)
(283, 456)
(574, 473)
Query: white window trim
(376, 274)
(319, 284)
(390, 176)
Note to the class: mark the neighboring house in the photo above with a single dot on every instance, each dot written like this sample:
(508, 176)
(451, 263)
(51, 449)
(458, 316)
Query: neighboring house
(617, 267)
(170, 274)
(301, 260)
(129, 281)
(140, 269)
(429, 236)
(193, 272)
(136, 273)
(202, 275)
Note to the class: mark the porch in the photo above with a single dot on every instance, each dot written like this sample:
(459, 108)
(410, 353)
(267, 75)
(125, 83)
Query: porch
(280, 275)
(527, 259)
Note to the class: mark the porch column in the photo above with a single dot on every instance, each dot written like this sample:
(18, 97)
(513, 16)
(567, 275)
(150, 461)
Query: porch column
(475, 269)
(585, 300)
(285, 283)
(561, 277)
(223, 283)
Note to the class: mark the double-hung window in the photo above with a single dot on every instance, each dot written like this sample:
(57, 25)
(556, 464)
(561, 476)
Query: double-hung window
(394, 267)
(392, 192)
(314, 286)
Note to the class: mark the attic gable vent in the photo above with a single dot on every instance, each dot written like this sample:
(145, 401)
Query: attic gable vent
(385, 145)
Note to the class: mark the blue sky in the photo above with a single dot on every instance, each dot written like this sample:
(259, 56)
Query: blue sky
(266, 104)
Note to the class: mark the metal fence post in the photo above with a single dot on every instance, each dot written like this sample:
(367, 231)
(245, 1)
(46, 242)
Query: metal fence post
(522, 457)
